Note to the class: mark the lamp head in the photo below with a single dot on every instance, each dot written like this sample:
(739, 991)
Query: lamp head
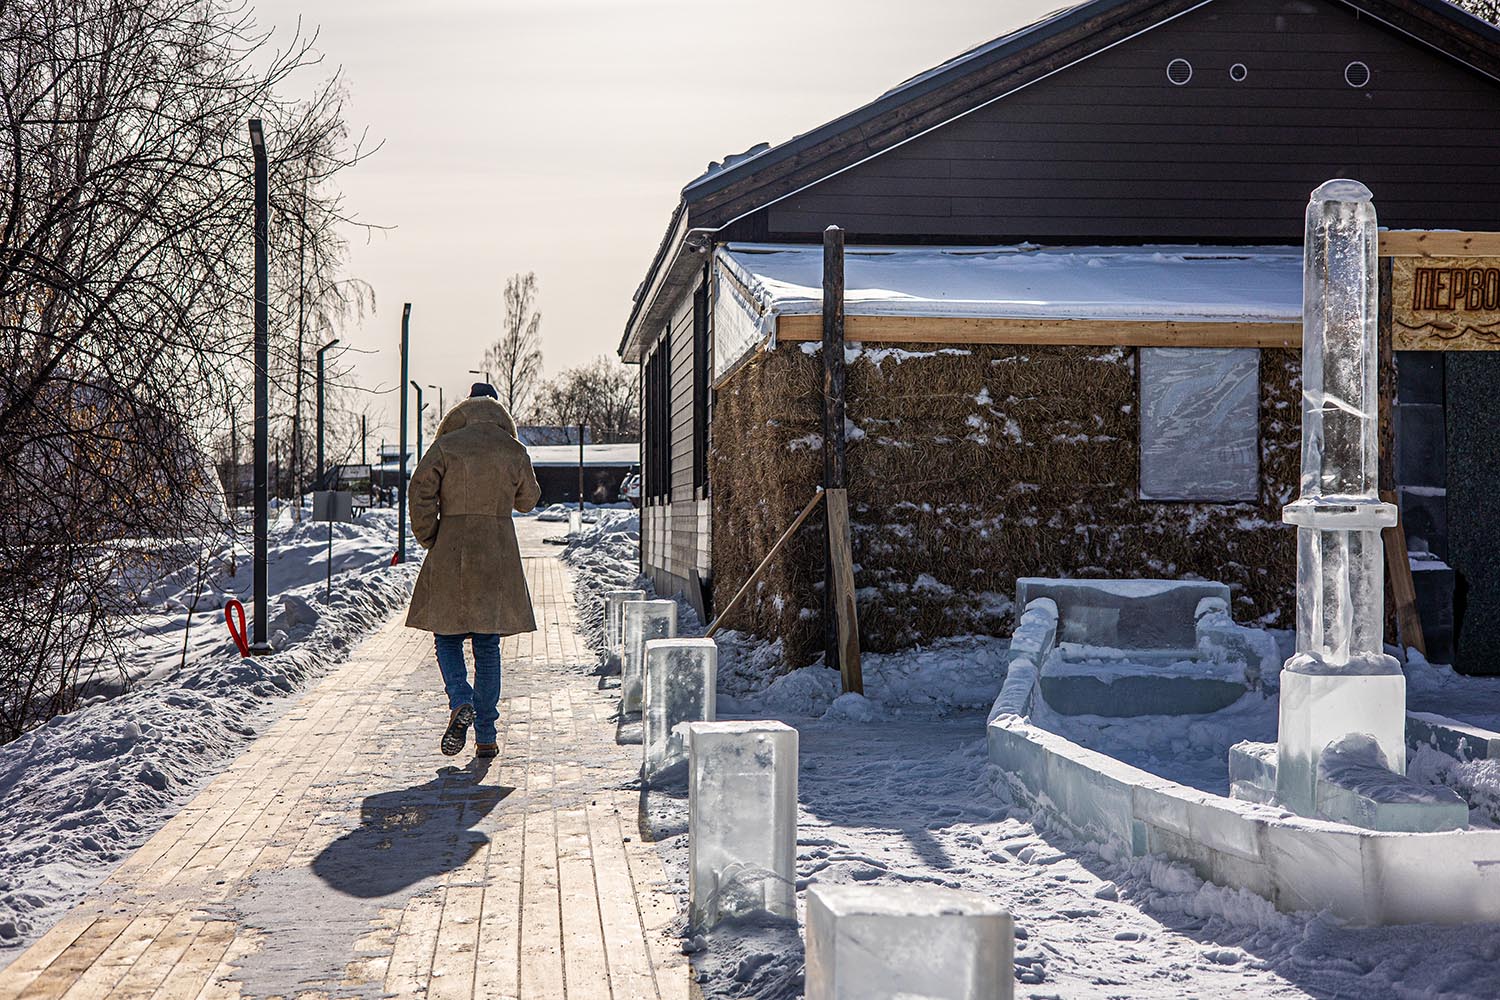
(257, 135)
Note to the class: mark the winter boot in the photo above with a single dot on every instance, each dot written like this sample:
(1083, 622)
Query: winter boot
(457, 733)
(486, 750)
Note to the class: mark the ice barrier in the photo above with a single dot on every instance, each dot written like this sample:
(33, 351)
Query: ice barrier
(681, 681)
(742, 820)
(644, 621)
(891, 942)
(614, 619)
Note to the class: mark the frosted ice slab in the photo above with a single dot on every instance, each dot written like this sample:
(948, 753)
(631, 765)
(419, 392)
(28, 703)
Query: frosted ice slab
(742, 820)
(897, 942)
(1357, 786)
(1322, 708)
(614, 619)
(644, 621)
(681, 679)
(1123, 614)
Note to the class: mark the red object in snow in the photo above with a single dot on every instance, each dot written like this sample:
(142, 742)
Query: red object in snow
(395, 558)
(241, 639)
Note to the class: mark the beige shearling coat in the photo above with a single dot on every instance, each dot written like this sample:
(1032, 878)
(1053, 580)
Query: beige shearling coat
(462, 493)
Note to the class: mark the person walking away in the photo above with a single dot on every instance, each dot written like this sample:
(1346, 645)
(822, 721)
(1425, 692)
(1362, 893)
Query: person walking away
(471, 586)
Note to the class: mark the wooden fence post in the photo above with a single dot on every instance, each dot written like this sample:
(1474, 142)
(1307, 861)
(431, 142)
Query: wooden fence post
(842, 639)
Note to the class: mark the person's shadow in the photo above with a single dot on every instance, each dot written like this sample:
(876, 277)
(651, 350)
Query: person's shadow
(411, 834)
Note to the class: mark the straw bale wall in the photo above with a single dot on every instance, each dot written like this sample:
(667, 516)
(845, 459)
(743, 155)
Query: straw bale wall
(969, 467)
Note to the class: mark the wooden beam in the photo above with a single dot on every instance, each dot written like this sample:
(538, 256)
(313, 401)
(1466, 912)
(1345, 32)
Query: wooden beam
(739, 595)
(841, 622)
(846, 615)
(1083, 333)
(1403, 588)
(1438, 243)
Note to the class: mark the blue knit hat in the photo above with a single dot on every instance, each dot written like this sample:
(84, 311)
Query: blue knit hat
(483, 389)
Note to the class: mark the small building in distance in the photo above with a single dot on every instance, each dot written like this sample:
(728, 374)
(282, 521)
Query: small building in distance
(605, 467)
(1073, 289)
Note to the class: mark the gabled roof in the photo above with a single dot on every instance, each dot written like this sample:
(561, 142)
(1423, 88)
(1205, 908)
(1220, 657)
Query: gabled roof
(977, 77)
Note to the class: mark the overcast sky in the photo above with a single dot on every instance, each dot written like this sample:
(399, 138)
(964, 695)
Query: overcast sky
(555, 135)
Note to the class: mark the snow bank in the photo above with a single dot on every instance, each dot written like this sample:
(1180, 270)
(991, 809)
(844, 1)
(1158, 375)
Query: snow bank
(81, 793)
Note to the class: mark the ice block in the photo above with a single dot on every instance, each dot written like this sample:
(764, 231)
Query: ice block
(742, 820)
(893, 942)
(644, 621)
(614, 617)
(681, 675)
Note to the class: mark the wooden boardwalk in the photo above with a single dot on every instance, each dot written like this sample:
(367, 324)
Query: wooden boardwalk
(342, 855)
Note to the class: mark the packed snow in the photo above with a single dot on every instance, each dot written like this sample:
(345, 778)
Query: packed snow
(80, 793)
(896, 787)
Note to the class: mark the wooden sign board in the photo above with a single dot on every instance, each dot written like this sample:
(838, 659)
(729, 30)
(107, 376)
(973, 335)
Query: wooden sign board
(1445, 303)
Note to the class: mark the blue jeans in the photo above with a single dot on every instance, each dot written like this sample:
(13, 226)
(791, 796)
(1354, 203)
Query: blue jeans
(485, 694)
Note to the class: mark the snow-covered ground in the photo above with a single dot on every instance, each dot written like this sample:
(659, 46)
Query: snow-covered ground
(80, 793)
(897, 787)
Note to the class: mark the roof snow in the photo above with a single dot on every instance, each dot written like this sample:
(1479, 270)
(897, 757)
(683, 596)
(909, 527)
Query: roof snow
(1153, 284)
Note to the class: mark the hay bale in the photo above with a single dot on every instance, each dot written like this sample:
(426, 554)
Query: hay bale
(969, 467)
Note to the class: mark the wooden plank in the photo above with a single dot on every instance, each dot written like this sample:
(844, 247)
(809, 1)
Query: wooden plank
(846, 616)
(1081, 333)
(1403, 589)
(191, 973)
(64, 969)
(1432, 243)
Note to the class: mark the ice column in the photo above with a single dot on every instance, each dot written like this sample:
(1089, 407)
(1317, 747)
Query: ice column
(1339, 681)
(742, 820)
(614, 618)
(681, 677)
(575, 521)
(891, 942)
(644, 620)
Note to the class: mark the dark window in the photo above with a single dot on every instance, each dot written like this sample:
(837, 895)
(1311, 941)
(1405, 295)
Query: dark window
(658, 388)
(648, 432)
(700, 387)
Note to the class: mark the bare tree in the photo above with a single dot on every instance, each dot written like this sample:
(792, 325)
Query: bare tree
(125, 239)
(515, 359)
(600, 395)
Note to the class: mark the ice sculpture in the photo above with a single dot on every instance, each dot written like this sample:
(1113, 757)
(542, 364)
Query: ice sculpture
(681, 675)
(884, 942)
(1339, 681)
(614, 618)
(742, 820)
(575, 521)
(644, 620)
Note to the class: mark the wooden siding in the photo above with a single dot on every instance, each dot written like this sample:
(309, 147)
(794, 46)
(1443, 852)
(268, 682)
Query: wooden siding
(1110, 151)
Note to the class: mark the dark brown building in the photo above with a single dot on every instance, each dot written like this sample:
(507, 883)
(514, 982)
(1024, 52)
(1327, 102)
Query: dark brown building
(1118, 124)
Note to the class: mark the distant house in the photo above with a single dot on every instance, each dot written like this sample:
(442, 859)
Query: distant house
(604, 468)
(548, 434)
(1073, 289)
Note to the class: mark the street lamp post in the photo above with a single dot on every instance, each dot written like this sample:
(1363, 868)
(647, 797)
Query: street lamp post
(476, 371)
(321, 351)
(420, 407)
(442, 410)
(401, 466)
(258, 643)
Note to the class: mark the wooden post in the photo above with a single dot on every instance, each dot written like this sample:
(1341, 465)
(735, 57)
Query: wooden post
(1385, 375)
(1400, 588)
(841, 623)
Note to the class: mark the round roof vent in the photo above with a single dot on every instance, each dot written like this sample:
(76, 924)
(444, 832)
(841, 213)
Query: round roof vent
(1238, 72)
(1357, 74)
(1179, 71)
